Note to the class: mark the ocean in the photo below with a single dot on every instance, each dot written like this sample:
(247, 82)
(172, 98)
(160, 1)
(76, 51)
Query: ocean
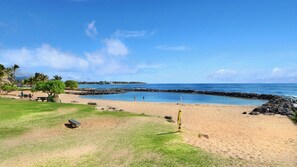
(276, 89)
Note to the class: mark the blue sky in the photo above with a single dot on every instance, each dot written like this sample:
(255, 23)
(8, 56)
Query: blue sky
(156, 41)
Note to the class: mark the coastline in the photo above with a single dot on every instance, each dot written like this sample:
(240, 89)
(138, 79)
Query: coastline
(261, 138)
(268, 139)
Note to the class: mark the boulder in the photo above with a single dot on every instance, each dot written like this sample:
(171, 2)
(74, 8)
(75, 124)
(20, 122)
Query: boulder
(168, 117)
(278, 105)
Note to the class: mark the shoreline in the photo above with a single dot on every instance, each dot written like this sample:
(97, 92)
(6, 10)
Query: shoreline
(262, 138)
(267, 139)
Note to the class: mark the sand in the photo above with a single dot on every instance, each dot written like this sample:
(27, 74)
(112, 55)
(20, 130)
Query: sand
(221, 129)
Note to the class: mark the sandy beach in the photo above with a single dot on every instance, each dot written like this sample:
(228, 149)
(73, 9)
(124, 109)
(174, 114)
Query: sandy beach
(221, 129)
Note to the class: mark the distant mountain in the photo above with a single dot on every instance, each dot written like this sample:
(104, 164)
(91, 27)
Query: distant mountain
(21, 78)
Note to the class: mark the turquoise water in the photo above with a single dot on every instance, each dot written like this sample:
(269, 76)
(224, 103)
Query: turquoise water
(277, 89)
(176, 98)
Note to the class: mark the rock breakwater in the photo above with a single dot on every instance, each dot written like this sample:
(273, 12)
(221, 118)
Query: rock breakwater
(281, 105)
(275, 105)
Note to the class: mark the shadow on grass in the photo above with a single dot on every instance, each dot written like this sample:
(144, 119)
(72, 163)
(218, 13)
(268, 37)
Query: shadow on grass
(167, 133)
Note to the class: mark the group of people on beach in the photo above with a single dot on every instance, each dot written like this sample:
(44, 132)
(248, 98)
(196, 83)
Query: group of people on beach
(142, 98)
(22, 95)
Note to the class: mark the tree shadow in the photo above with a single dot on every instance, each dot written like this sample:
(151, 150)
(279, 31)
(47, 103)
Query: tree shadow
(167, 133)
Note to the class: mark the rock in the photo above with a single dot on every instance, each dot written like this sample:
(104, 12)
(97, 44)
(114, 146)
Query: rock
(277, 105)
(244, 113)
(281, 110)
(92, 103)
(254, 113)
(168, 117)
(269, 113)
(290, 113)
(230, 94)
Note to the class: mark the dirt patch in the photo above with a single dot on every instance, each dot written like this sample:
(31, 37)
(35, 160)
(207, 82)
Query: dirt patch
(42, 158)
(47, 134)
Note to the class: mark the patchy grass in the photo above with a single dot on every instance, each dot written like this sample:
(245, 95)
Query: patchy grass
(164, 142)
(33, 134)
(6, 132)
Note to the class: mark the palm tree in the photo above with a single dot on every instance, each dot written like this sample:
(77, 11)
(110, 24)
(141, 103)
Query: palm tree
(9, 74)
(2, 71)
(57, 77)
(40, 77)
(14, 68)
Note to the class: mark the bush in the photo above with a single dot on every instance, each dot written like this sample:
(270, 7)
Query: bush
(71, 84)
(8, 88)
(294, 118)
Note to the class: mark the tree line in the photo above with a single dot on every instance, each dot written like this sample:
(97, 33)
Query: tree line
(110, 82)
(37, 82)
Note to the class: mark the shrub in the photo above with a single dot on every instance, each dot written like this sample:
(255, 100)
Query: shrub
(8, 88)
(71, 84)
(294, 118)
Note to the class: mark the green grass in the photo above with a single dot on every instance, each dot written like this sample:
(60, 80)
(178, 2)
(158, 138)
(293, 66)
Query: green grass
(164, 142)
(141, 141)
(294, 118)
(6, 132)
(12, 109)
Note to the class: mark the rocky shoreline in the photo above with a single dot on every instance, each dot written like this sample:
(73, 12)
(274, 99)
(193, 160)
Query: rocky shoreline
(275, 105)
(95, 91)
(282, 105)
(217, 93)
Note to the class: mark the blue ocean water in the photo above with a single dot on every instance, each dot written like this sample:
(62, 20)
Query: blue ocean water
(289, 89)
(277, 89)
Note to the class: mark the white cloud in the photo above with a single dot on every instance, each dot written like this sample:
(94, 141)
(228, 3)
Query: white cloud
(276, 70)
(278, 74)
(50, 60)
(115, 47)
(108, 60)
(275, 75)
(43, 56)
(223, 75)
(95, 58)
(91, 30)
(172, 48)
(132, 34)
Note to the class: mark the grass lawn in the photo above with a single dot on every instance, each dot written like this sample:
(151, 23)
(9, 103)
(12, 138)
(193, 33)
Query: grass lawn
(33, 134)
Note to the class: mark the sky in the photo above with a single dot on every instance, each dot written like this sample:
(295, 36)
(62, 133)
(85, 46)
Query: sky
(154, 41)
